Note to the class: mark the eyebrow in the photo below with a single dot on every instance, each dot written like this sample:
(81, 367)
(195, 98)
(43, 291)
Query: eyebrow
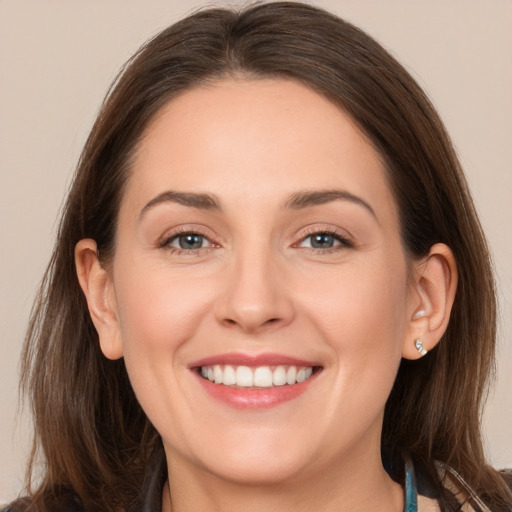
(307, 198)
(296, 201)
(191, 199)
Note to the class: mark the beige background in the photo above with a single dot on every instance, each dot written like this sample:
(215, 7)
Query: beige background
(58, 57)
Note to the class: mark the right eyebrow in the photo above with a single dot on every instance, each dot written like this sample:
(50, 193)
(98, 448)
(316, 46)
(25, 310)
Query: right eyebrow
(190, 199)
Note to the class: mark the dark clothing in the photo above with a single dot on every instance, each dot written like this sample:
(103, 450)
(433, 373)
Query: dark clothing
(67, 501)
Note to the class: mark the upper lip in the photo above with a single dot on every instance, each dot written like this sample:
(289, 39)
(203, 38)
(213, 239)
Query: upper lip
(240, 359)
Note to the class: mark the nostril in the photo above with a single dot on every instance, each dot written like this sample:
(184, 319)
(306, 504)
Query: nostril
(248, 325)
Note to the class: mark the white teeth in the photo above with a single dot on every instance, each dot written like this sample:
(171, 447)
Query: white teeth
(291, 375)
(217, 374)
(263, 377)
(279, 376)
(244, 377)
(229, 376)
(260, 377)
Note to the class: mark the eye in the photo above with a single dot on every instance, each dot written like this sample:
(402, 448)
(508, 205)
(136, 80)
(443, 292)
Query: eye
(188, 242)
(320, 241)
(324, 240)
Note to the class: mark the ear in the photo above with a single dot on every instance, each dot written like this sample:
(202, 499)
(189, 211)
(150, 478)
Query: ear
(99, 293)
(431, 300)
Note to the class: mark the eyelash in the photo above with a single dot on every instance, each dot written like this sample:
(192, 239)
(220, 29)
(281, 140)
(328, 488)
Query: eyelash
(166, 243)
(344, 242)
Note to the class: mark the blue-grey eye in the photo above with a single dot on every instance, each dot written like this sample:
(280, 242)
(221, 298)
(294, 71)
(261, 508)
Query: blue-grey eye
(322, 241)
(189, 241)
(325, 240)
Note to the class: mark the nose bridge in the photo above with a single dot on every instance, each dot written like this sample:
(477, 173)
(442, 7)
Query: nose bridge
(255, 296)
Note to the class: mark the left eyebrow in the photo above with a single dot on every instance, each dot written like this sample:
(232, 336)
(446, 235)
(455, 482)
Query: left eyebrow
(308, 198)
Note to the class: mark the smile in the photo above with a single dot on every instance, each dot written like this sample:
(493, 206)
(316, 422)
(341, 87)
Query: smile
(255, 382)
(258, 377)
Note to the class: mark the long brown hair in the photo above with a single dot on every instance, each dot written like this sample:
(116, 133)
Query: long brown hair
(92, 434)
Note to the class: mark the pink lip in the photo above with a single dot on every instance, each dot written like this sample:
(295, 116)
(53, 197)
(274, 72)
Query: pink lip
(253, 398)
(252, 361)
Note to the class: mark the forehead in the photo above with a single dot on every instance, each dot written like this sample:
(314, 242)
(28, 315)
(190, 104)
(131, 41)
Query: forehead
(257, 139)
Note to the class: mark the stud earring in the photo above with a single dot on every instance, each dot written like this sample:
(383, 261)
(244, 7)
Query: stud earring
(420, 348)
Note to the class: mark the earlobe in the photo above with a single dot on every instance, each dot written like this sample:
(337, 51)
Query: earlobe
(99, 293)
(431, 301)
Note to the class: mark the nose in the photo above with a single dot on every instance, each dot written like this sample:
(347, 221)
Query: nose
(255, 297)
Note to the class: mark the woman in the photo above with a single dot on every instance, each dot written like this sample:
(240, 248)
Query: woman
(270, 289)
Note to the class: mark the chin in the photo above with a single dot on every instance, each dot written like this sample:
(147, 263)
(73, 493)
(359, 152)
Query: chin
(251, 456)
(259, 469)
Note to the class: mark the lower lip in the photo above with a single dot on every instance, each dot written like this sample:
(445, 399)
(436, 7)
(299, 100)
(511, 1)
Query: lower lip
(255, 398)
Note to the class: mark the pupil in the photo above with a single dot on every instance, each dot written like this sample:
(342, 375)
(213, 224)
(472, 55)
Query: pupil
(322, 240)
(191, 241)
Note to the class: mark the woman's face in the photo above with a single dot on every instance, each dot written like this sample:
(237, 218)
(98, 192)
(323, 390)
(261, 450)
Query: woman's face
(258, 242)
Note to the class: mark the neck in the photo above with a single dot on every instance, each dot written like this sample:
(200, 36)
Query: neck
(346, 487)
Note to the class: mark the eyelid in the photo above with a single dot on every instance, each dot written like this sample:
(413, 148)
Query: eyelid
(342, 236)
(345, 239)
(164, 241)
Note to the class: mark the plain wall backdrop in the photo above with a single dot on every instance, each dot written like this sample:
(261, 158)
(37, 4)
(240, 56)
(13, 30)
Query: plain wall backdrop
(58, 58)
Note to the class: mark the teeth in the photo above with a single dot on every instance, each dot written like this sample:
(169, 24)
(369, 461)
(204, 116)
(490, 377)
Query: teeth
(279, 376)
(291, 375)
(263, 377)
(229, 378)
(260, 377)
(244, 377)
(217, 374)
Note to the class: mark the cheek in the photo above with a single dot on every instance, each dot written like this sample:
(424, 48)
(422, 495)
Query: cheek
(158, 310)
(367, 302)
(363, 321)
(362, 316)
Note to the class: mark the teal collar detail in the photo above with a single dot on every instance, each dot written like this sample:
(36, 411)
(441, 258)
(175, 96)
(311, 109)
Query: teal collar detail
(411, 492)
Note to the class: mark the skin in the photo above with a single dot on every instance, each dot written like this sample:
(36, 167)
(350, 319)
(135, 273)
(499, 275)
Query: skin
(256, 286)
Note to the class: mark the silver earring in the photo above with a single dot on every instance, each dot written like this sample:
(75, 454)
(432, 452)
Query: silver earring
(420, 348)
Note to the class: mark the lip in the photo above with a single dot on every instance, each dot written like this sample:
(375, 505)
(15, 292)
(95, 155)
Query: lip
(253, 360)
(254, 398)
